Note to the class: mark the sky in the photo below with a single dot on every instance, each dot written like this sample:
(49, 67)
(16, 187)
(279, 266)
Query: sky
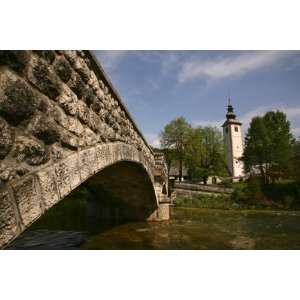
(158, 86)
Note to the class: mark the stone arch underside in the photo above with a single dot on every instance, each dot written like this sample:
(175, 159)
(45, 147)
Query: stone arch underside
(110, 166)
(124, 187)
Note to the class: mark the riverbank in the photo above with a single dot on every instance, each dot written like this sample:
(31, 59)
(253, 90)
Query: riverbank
(284, 195)
(227, 203)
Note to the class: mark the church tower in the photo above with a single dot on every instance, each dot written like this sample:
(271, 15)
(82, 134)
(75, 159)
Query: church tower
(233, 140)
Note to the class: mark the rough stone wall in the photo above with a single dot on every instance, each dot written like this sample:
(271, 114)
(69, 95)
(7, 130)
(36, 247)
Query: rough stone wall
(51, 104)
(56, 108)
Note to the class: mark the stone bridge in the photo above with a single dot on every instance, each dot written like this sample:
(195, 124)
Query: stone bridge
(63, 124)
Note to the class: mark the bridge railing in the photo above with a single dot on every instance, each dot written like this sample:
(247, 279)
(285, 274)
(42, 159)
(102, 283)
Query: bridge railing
(99, 71)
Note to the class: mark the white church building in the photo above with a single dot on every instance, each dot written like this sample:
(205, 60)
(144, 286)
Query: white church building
(234, 146)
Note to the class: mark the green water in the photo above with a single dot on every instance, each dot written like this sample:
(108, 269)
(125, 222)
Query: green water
(70, 225)
(195, 228)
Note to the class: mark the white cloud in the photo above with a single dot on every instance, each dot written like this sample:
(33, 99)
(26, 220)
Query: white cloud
(111, 58)
(296, 132)
(153, 139)
(223, 67)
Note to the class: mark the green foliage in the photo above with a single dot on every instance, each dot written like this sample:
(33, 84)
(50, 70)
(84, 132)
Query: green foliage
(170, 156)
(207, 201)
(295, 161)
(272, 153)
(227, 183)
(268, 146)
(174, 138)
(205, 154)
(284, 194)
(201, 149)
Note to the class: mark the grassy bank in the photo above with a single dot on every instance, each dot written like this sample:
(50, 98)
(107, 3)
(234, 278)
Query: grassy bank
(283, 195)
(207, 201)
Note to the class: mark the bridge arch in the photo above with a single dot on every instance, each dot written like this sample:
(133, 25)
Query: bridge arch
(62, 122)
(27, 199)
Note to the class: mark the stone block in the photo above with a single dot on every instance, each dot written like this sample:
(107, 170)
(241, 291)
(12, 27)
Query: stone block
(127, 152)
(62, 68)
(93, 160)
(94, 121)
(44, 128)
(75, 126)
(117, 152)
(71, 55)
(69, 140)
(162, 213)
(30, 150)
(88, 137)
(104, 155)
(57, 152)
(59, 116)
(8, 172)
(6, 138)
(15, 59)
(17, 99)
(83, 112)
(63, 178)
(99, 153)
(77, 85)
(48, 55)
(47, 180)
(84, 165)
(8, 219)
(68, 101)
(40, 75)
(72, 162)
(27, 199)
(83, 70)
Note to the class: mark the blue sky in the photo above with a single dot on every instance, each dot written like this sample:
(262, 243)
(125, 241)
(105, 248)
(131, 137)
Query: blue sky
(157, 86)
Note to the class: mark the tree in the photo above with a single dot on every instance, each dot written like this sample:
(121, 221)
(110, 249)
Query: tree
(295, 161)
(170, 157)
(194, 152)
(175, 137)
(205, 154)
(268, 146)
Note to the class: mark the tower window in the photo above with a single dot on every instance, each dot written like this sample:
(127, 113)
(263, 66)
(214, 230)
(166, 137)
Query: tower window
(236, 129)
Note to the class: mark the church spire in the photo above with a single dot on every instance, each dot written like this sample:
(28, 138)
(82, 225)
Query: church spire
(230, 112)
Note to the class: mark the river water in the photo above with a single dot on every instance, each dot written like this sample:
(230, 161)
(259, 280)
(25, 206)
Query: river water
(189, 228)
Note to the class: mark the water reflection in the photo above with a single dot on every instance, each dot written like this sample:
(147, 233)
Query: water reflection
(194, 228)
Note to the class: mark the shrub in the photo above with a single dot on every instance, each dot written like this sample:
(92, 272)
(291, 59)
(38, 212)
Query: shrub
(227, 183)
(205, 201)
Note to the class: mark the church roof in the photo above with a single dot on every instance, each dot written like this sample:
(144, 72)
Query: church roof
(230, 115)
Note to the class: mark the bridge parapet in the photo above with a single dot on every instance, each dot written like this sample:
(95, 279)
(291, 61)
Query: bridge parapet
(161, 169)
(58, 111)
